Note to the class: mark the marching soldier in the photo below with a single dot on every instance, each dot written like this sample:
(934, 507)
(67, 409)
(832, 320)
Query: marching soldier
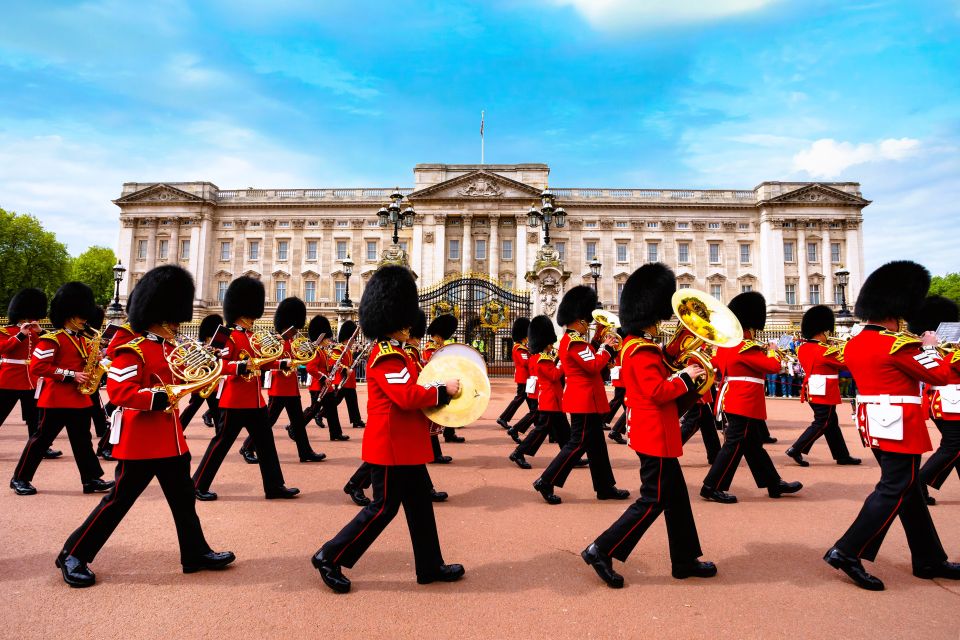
(348, 385)
(744, 408)
(148, 436)
(584, 398)
(331, 401)
(546, 370)
(396, 441)
(241, 402)
(822, 364)
(17, 340)
(521, 375)
(60, 358)
(619, 394)
(654, 433)
(700, 418)
(320, 333)
(205, 333)
(889, 367)
(440, 331)
(942, 402)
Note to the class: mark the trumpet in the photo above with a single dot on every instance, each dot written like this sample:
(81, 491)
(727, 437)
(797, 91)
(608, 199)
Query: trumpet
(704, 320)
(267, 347)
(197, 365)
(606, 323)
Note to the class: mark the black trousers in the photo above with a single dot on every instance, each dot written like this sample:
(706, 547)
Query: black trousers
(132, 477)
(897, 494)
(330, 403)
(826, 424)
(621, 426)
(529, 418)
(699, 417)
(362, 478)
(255, 422)
(619, 395)
(742, 439)
(99, 416)
(353, 405)
(518, 399)
(662, 490)
(548, 423)
(28, 407)
(52, 422)
(586, 436)
(393, 486)
(298, 426)
(313, 398)
(937, 468)
(435, 443)
(194, 405)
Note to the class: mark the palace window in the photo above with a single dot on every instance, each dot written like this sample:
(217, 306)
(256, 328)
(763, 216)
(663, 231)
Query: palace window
(339, 290)
(683, 285)
(343, 223)
(790, 293)
(163, 247)
(224, 249)
(506, 249)
(837, 293)
(621, 252)
(714, 248)
(281, 290)
(222, 289)
(716, 290)
(371, 249)
(683, 225)
(788, 251)
(403, 245)
(744, 254)
(683, 252)
(480, 249)
(311, 249)
(652, 252)
(743, 226)
(653, 225)
(619, 292)
(341, 249)
(622, 224)
(746, 288)
(835, 252)
(713, 225)
(310, 291)
(283, 224)
(283, 248)
(253, 248)
(591, 250)
(315, 223)
(507, 282)
(835, 225)
(184, 249)
(590, 224)
(227, 224)
(812, 252)
(141, 249)
(561, 248)
(814, 294)
(453, 248)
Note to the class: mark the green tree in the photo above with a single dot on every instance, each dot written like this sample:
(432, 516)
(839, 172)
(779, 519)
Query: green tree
(947, 286)
(95, 267)
(30, 256)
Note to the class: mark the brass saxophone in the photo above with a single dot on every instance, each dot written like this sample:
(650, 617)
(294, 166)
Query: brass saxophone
(92, 366)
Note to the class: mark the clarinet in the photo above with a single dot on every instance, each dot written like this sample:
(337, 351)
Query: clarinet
(314, 407)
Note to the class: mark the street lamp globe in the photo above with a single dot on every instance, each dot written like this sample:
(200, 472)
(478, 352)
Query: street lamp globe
(560, 217)
(533, 217)
(347, 267)
(383, 217)
(595, 268)
(408, 215)
(118, 271)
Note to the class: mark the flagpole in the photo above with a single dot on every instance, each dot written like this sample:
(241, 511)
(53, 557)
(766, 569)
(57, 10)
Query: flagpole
(481, 137)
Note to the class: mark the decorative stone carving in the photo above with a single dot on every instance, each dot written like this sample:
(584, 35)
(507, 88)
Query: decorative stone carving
(269, 223)
(356, 224)
(428, 237)
(482, 187)
(393, 254)
(575, 223)
(241, 223)
(161, 195)
(777, 223)
(148, 222)
(852, 224)
(699, 226)
(326, 223)
(606, 223)
(729, 225)
(532, 237)
(668, 225)
(299, 223)
(636, 225)
(129, 222)
(546, 257)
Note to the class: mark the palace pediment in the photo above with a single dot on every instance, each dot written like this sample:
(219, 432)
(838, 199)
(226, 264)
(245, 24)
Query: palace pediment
(479, 185)
(159, 192)
(818, 194)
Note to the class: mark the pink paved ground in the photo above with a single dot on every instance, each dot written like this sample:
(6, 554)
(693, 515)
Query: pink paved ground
(524, 574)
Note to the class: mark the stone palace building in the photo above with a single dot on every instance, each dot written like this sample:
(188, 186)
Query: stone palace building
(786, 240)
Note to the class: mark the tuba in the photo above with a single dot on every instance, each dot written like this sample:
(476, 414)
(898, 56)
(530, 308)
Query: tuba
(92, 365)
(267, 347)
(704, 320)
(197, 365)
(606, 322)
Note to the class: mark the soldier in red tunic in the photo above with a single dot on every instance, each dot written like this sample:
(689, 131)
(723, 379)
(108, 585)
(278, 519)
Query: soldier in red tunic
(396, 441)
(654, 433)
(205, 333)
(321, 333)
(348, 386)
(440, 330)
(744, 407)
(17, 339)
(889, 367)
(943, 402)
(822, 364)
(148, 439)
(522, 362)
(241, 402)
(584, 398)
(59, 358)
(619, 391)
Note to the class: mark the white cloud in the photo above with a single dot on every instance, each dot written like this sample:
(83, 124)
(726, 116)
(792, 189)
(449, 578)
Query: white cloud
(621, 15)
(827, 158)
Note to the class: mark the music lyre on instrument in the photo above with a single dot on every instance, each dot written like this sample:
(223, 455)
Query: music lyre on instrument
(704, 320)
(467, 365)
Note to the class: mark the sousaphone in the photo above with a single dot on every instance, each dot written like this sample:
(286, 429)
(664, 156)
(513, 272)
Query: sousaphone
(467, 365)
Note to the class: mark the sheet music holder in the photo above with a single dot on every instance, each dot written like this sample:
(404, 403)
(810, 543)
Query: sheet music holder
(948, 332)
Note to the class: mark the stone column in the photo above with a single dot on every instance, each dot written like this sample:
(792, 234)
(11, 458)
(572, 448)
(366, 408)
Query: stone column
(826, 296)
(607, 252)
(803, 297)
(493, 250)
(240, 246)
(173, 247)
(268, 265)
(771, 272)
(325, 266)
(151, 226)
(125, 251)
(520, 248)
(295, 283)
(854, 260)
(417, 261)
(200, 256)
(467, 249)
(439, 249)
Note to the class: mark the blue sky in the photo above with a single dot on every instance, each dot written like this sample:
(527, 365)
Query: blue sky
(625, 93)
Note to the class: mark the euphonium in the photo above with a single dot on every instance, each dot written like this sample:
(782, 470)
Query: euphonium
(704, 320)
(609, 322)
(92, 365)
(197, 365)
(267, 347)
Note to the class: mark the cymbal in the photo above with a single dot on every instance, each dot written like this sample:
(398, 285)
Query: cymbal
(474, 395)
(462, 350)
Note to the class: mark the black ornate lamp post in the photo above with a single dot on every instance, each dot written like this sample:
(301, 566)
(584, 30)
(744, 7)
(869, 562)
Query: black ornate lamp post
(547, 215)
(843, 277)
(347, 271)
(116, 309)
(595, 267)
(392, 214)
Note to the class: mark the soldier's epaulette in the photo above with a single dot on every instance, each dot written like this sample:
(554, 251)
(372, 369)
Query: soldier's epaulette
(835, 350)
(750, 344)
(133, 345)
(631, 346)
(575, 336)
(521, 347)
(51, 335)
(546, 357)
(956, 357)
(387, 349)
(901, 340)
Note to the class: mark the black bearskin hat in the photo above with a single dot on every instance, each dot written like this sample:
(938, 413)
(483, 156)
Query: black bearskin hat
(816, 320)
(208, 326)
(164, 294)
(443, 326)
(29, 304)
(419, 328)
(346, 330)
(933, 311)
(95, 321)
(541, 334)
(578, 303)
(646, 297)
(389, 302)
(72, 299)
(520, 328)
(750, 308)
(291, 312)
(319, 326)
(244, 299)
(895, 290)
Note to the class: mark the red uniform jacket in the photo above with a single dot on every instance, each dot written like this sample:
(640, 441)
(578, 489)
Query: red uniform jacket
(317, 370)
(744, 368)
(15, 350)
(139, 368)
(944, 401)
(549, 382)
(817, 358)
(337, 354)
(616, 372)
(283, 384)
(521, 363)
(241, 392)
(57, 356)
(893, 364)
(414, 354)
(583, 367)
(427, 352)
(123, 335)
(397, 432)
(653, 423)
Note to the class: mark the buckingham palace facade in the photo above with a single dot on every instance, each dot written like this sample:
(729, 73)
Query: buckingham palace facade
(785, 239)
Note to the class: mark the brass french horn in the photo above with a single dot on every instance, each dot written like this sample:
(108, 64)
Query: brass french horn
(704, 320)
(194, 363)
(267, 347)
(302, 351)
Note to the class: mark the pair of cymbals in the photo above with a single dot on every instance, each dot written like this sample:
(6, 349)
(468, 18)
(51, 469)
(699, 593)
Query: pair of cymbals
(467, 365)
